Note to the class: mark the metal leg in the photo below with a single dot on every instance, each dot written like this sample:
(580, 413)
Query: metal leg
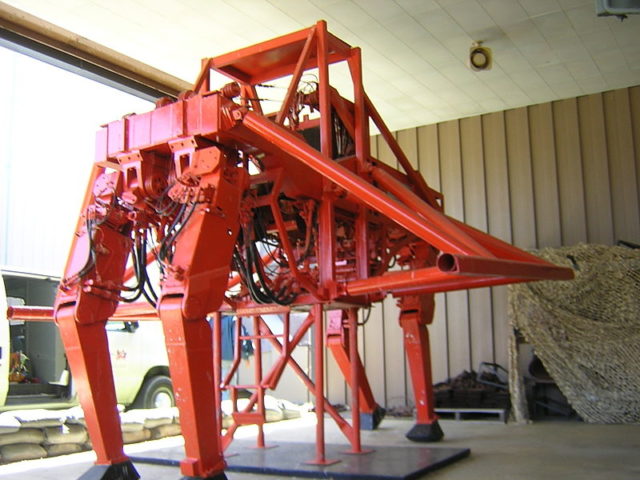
(190, 352)
(88, 355)
(339, 344)
(416, 314)
(356, 377)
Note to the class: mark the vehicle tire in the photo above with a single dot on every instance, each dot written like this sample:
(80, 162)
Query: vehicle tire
(156, 392)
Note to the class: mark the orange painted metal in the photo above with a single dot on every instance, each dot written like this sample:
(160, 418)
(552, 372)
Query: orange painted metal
(90, 359)
(30, 314)
(190, 353)
(340, 344)
(251, 213)
(416, 312)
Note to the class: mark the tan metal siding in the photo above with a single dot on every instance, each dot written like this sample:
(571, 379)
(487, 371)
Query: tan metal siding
(394, 358)
(451, 187)
(429, 163)
(474, 185)
(595, 169)
(570, 179)
(499, 216)
(622, 165)
(544, 175)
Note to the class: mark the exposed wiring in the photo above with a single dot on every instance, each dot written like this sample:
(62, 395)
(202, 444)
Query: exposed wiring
(143, 286)
(366, 318)
(255, 275)
(166, 250)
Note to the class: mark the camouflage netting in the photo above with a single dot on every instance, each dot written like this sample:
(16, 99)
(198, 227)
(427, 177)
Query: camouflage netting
(587, 331)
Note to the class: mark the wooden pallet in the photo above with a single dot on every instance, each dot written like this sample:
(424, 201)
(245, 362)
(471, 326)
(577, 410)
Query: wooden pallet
(459, 413)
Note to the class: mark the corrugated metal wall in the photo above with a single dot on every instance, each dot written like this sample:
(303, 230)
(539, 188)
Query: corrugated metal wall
(546, 175)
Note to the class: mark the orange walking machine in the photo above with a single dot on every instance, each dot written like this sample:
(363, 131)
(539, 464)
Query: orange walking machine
(252, 213)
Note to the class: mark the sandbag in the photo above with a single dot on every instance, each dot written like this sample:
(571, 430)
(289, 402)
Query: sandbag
(63, 449)
(65, 434)
(168, 430)
(131, 422)
(138, 436)
(22, 451)
(24, 435)
(152, 417)
(291, 410)
(75, 416)
(39, 418)
(8, 423)
(273, 413)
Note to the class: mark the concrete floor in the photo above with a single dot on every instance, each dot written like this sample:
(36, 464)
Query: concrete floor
(546, 450)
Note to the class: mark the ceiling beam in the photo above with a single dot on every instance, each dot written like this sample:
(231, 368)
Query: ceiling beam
(37, 38)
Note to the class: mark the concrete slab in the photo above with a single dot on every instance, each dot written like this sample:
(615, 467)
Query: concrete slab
(550, 451)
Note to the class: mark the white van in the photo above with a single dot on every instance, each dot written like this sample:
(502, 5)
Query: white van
(33, 367)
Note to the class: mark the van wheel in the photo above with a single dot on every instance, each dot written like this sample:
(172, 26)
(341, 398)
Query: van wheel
(156, 392)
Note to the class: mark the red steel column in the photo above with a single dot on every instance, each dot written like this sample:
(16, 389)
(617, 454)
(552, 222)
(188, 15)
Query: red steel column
(257, 358)
(318, 331)
(326, 214)
(356, 377)
(355, 380)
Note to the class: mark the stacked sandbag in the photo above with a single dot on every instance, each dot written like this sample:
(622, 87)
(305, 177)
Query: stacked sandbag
(273, 412)
(64, 439)
(38, 433)
(275, 409)
(149, 424)
(24, 437)
(292, 410)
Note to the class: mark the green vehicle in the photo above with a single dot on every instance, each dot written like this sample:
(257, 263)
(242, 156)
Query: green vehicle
(33, 369)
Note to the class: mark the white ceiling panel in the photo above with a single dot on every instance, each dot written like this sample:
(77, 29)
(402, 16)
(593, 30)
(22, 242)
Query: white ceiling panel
(540, 7)
(414, 51)
(470, 16)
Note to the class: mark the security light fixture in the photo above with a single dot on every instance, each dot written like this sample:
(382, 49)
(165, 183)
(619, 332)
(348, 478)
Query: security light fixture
(480, 57)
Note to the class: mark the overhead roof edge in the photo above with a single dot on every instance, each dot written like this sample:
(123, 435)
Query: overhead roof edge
(38, 38)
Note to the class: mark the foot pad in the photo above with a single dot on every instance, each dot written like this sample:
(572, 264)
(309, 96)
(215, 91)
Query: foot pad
(117, 471)
(425, 432)
(370, 421)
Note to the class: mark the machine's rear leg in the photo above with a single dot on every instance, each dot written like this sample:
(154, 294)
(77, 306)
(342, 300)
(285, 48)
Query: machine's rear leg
(88, 296)
(416, 313)
(371, 414)
(90, 363)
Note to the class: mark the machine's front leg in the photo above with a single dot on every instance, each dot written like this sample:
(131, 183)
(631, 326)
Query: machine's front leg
(197, 257)
(416, 313)
(190, 353)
